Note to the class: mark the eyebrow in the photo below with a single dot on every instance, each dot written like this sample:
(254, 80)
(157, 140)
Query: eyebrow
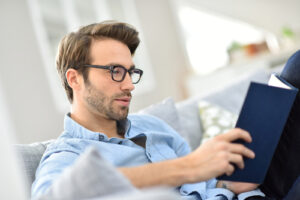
(130, 68)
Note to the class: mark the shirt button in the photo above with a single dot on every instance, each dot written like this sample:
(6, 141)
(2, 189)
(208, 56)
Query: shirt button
(184, 192)
(223, 197)
(101, 137)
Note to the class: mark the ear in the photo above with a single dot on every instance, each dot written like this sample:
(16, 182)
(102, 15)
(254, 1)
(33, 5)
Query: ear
(74, 79)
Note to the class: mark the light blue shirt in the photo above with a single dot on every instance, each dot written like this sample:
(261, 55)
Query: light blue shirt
(161, 143)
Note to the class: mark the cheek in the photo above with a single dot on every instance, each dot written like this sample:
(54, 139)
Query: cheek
(103, 83)
(97, 76)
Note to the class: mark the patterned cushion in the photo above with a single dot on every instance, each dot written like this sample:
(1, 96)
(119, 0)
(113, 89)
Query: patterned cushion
(215, 120)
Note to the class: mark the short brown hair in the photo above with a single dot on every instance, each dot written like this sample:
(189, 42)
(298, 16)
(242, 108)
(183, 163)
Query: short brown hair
(74, 48)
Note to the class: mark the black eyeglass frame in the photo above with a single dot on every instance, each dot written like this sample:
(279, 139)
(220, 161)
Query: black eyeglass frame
(112, 67)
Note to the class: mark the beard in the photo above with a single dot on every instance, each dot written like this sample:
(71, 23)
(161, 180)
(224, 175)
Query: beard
(103, 104)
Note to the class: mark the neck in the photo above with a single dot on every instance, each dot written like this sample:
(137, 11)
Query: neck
(94, 121)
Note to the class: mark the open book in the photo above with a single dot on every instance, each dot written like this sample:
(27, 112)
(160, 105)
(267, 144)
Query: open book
(264, 114)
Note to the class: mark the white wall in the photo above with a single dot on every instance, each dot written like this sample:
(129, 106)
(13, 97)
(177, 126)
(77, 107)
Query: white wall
(25, 88)
(165, 51)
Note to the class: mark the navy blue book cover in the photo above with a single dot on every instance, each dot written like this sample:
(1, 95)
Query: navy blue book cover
(263, 115)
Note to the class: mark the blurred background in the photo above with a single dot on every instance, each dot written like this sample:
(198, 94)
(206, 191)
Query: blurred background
(188, 48)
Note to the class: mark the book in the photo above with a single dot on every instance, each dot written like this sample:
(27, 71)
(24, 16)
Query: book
(264, 114)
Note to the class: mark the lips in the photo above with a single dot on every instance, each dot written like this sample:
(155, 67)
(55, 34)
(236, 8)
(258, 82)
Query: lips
(124, 101)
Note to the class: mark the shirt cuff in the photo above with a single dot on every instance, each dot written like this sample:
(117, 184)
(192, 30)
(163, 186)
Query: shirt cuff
(188, 189)
(212, 183)
(245, 195)
(220, 192)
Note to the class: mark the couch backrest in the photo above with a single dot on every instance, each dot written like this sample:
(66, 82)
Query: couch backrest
(30, 155)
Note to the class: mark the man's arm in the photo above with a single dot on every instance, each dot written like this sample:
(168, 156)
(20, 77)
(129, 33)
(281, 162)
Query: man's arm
(213, 158)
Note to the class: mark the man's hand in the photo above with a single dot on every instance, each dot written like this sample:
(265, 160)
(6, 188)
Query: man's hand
(237, 187)
(214, 158)
(217, 156)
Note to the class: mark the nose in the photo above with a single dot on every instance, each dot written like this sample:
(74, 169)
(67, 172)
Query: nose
(126, 84)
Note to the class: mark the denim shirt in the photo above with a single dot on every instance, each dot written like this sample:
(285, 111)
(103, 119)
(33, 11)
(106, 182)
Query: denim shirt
(161, 143)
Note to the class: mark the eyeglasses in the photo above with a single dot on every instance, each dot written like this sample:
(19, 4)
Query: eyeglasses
(118, 72)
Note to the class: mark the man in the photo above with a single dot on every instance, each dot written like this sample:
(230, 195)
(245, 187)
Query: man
(96, 67)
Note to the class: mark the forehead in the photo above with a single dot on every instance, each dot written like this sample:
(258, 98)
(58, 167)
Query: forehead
(108, 51)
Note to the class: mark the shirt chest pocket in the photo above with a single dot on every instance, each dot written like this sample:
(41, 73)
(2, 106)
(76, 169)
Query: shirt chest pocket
(160, 152)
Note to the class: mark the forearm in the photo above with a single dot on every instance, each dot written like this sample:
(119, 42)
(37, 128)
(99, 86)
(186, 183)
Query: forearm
(170, 173)
(212, 159)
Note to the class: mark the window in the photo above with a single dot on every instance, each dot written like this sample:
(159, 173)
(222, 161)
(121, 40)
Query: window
(208, 36)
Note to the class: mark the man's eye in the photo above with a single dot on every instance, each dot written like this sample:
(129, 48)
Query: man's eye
(117, 71)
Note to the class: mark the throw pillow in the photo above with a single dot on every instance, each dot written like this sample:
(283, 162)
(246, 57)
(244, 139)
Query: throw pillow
(190, 122)
(91, 176)
(166, 111)
(215, 120)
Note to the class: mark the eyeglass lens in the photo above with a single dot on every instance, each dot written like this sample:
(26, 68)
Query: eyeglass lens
(119, 74)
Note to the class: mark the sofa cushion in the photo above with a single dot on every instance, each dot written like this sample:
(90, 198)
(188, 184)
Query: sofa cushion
(215, 120)
(182, 117)
(190, 122)
(166, 111)
(31, 155)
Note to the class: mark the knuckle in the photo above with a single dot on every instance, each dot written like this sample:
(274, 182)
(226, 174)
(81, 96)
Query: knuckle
(245, 151)
(241, 148)
(240, 158)
(230, 170)
(224, 156)
(222, 146)
(217, 138)
(223, 165)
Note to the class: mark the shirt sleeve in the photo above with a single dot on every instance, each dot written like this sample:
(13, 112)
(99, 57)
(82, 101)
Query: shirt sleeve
(245, 195)
(206, 190)
(203, 190)
(50, 168)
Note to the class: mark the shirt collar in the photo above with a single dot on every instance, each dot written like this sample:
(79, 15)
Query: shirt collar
(78, 131)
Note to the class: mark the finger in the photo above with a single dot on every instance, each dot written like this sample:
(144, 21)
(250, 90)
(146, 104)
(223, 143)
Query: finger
(235, 134)
(229, 170)
(242, 150)
(237, 159)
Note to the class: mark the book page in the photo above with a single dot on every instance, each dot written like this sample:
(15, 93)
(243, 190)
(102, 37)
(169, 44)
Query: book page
(276, 82)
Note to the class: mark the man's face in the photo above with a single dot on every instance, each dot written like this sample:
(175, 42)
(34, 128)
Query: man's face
(103, 96)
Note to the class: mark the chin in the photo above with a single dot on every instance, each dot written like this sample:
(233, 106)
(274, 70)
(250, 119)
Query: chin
(121, 114)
